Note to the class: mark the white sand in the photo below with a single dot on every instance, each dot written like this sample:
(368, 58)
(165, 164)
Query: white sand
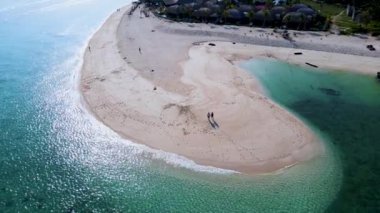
(254, 135)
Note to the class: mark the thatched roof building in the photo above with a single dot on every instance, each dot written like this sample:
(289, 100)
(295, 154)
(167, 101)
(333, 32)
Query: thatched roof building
(172, 10)
(202, 12)
(234, 14)
(213, 6)
(296, 7)
(245, 8)
(307, 11)
(170, 2)
(259, 2)
(262, 16)
(259, 7)
(278, 13)
(294, 18)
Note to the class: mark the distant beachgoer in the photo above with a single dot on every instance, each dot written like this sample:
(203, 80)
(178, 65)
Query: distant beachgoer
(140, 50)
(208, 115)
(89, 48)
(212, 115)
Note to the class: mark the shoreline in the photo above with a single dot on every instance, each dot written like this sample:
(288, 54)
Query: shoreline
(174, 111)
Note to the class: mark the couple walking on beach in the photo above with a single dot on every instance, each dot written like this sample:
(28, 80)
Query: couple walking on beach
(210, 117)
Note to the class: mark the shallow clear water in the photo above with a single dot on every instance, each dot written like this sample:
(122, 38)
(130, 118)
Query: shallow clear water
(54, 156)
(343, 106)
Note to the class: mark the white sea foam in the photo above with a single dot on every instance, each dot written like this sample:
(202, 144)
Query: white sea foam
(20, 5)
(61, 5)
(73, 87)
(175, 159)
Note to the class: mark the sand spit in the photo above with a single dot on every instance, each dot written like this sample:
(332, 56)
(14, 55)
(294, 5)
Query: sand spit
(154, 84)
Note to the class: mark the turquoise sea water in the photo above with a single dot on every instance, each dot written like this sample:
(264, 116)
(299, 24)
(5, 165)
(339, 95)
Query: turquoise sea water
(56, 157)
(345, 107)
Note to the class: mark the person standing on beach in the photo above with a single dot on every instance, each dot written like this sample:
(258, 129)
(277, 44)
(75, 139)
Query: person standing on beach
(208, 116)
(212, 115)
(140, 50)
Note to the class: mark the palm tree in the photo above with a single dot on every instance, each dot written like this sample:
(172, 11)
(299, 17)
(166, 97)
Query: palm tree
(225, 15)
(365, 18)
(268, 4)
(303, 21)
(251, 15)
(296, 1)
(266, 16)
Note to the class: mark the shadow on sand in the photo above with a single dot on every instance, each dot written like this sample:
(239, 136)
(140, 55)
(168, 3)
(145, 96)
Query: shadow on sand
(213, 123)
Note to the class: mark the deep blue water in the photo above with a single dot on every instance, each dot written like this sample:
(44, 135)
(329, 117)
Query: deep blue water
(343, 106)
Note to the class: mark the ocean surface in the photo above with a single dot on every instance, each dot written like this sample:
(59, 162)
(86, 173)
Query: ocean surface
(345, 108)
(55, 156)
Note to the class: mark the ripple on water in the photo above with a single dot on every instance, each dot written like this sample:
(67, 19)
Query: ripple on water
(56, 157)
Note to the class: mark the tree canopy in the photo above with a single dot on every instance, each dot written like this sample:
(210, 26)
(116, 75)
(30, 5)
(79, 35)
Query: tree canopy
(370, 6)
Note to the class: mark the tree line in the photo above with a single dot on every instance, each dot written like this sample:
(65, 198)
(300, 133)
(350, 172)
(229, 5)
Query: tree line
(372, 7)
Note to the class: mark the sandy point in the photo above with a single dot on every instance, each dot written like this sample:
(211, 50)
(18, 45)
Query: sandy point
(154, 83)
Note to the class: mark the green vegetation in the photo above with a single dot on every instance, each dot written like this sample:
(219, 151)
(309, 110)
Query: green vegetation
(336, 12)
(325, 13)
(347, 26)
(327, 10)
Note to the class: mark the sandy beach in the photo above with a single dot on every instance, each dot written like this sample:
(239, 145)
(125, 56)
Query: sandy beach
(154, 81)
